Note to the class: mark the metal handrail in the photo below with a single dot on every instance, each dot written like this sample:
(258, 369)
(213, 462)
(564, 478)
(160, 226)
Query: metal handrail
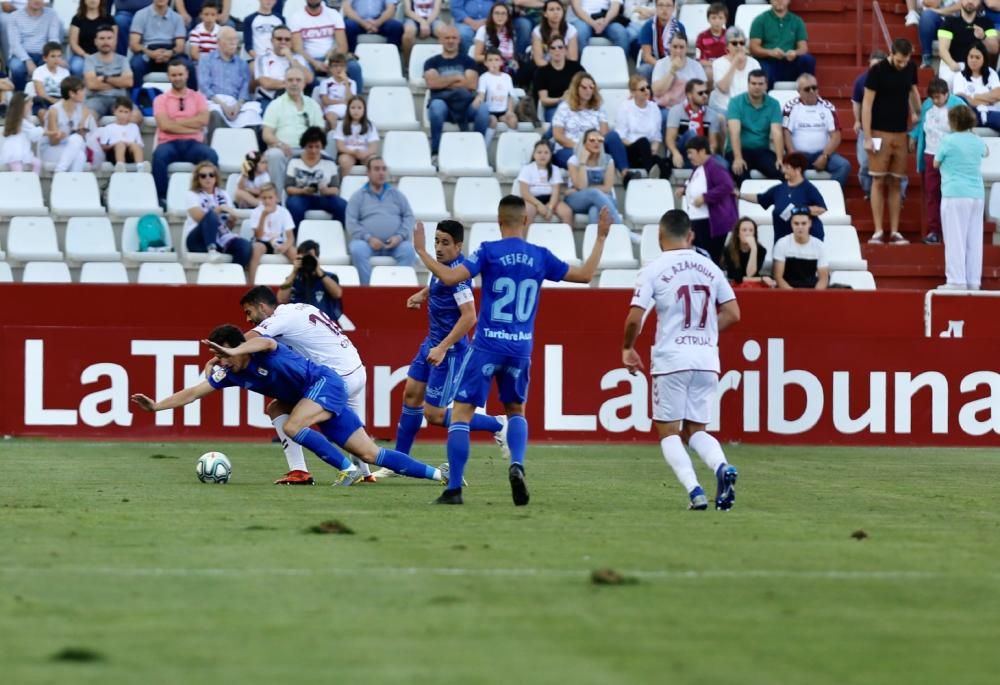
(877, 24)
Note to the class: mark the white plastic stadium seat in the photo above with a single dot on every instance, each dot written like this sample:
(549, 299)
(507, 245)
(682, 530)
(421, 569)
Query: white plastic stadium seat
(617, 248)
(752, 209)
(65, 10)
(991, 163)
(408, 153)
(350, 185)
(329, 234)
(75, 194)
(159, 273)
(132, 195)
(993, 204)
(130, 244)
(232, 185)
(394, 276)
(513, 152)
(745, 14)
(607, 65)
(271, 274)
(430, 233)
(647, 199)
(649, 246)
(426, 197)
(46, 272)
(624, 279)
(476, 199)
(858, 280)
(418, 56)
(21, 194)
(32, 239)
(843, 249)
(232, 146)
(347, 275)
(480, 233)
(612, 99)
(558, 238)
(765, 236)
(783, 97)
(177, 190)
(221, 274)
(91, 239)
(380, 64)
(103, 272)
(463, 154)
(391, 108)
(6, 275)
(836, 207)
(241, 9)
(695, 20)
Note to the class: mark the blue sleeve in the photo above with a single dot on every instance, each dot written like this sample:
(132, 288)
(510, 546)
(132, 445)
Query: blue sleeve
(474, 263)
(431, 63)
(458, 12)
(766, 199)
(219, 378)
(646, 34)
(248, 30)
(469, 63)
(555, 268)
(816, 197)
(859, 88)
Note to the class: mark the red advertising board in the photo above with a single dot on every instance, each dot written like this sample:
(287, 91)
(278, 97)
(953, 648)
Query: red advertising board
(807, 368)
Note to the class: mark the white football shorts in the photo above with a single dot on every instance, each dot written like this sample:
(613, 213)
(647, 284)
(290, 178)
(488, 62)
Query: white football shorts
(356, 381)
(684, 395)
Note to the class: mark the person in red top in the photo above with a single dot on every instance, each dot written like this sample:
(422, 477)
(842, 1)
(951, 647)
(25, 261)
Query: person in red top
(711, 42)
(181, 117)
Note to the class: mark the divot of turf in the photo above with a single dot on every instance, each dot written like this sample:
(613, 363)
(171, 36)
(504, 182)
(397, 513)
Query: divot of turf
(609, 576)
(257, 526)
(163, 456)
(78, 654)
(859, 535)
(332, 527)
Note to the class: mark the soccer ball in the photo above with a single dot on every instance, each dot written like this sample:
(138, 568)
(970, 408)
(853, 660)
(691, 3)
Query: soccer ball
(213, 467)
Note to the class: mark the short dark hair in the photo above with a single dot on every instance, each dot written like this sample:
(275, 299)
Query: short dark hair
(103, 28)
(698, 143)
(757, 73)
(176, 62)
(227, 335)
(797, 160)
(676, 224)
(372, 160)
(901, 46)
(717, 8)
(51, 47)
(491, 52)
(692, 84)
(70, 85)
(122, 101)
(453, 228)
(679, 35)
(211, 4)
(313, 134)
(308, 246)
(510, 209)
(937, 86)
(259, 294)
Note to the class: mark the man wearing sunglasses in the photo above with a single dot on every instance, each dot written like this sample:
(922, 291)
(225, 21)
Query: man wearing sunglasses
(778, 39)
(811, 127)
(271, 65)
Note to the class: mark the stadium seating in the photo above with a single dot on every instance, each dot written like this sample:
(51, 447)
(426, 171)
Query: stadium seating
(612, 100)
(991, 163)
(240, 9)
(21, 194)
(624, 279)
(394, 276)
(131, 194)
(6, 275)
(476, 199)
(418, 56)
(46, 272)
(32, 239)
(694, 16)
(765, 236)
(75, 194)
(843, 249)
(649, 246)
(783, 96)
(162, 273)
(858, 280)
(513, 152)
(426, 197)
(558, 238)
(232, 185)
(350, 185)
(617, 248)
(103, 272)
(481, 232)
(408, 153)
(91, 240)
(130, 244)
(329, 235)
(221, 274)
(836, 207)
(745, 14)
(380, 64)
(647, 199)
(232, 146)
(391, 108)
(346, 275)
(272, 274)
(177, 190)
(755, 186)
(607, 65)
(463, 154)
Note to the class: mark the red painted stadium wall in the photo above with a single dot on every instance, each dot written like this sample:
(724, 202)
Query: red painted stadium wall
(839, 366)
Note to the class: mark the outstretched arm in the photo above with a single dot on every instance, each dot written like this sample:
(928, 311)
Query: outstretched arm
(585, 273)
(258, 344)
(446, 274)
(633, 325)
(178, 399)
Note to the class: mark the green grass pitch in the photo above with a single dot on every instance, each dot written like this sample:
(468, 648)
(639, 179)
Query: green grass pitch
(118, 566)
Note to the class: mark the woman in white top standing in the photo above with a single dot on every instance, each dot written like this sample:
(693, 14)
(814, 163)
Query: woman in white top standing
(70, 129)
(211, 219)
(730, 71)
(592, 179)
(639, 124)
(540, 183)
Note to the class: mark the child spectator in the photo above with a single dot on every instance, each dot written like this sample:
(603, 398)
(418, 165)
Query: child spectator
(711, 42)
(20, 136)
(204, 36)
(743, 258)
(273, 228)
(539, 183)
(800, 259)
(336, 90)
(258, 26)
(189, 9)
(356, 138)
(48, 77)
(122, 140)
(253, 178)
(496, 89)
(422, 21)
(926, 136)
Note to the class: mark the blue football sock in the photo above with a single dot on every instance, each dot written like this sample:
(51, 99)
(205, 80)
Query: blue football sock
(407, 428)
(323, 448)
(404, 465)
(517, 438)
(458, 453)
(482, 422)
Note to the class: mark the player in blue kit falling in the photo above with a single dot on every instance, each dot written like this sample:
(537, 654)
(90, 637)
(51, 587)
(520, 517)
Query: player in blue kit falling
(430, 382)
(318, 395)
(512, 273)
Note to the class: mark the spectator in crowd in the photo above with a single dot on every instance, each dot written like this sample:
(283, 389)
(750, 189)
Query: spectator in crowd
(795, 191)
(380, 222)
(800, 259)
(20, 136)
(779, 41)
(591, 174)
(527, 14)
(189, 9)
(864, 178)
(469, 16)
(496, 34)
(496, 91)
(108, 77)
(692, 119)
(28, 30)
(70, 129)
(732, 6)
(711, 43)
(224, 79)
(316, 30)
(157, 39)
(671, 74)
(581, 110)
(48, 76)
(552, 80)
(181, 115)
(655, 36)
(375, 17)
(929, 20)
(286, 119)
(355, 139)
(258, 27)
(204, 37)
(125, 11)
(336, 90)
(552, 24)
(90, 17)
(310, 284)
(979, 86)
(121, 139)
(452, 81)
(811, 126)
(754, 120)
(311, 181)
(743, 258)
(639, 124)
(253, 177)
(637, 12)
(599, 18)
(540, 183)
(709, 199)
(273, 229)
(271, 65)
(211, 219)
(958, 33)
(731, 72)
(958, 158)
(891, 102)
(925, 138)
(423, 20)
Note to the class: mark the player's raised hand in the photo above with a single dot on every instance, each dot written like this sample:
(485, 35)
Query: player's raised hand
(419, 239)
(219, 351)
(604, 223)
(632, 360)
(145, 402)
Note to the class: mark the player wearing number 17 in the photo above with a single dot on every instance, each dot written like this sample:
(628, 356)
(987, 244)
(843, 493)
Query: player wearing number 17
(512, 273)
(686, 288)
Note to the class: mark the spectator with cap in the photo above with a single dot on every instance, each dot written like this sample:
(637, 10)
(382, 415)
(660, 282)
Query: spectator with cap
(28, 30)
(811, 126)
(800, 258)
(778, 39)
(755, 138)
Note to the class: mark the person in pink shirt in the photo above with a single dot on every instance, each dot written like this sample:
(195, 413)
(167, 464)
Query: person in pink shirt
(181, 117)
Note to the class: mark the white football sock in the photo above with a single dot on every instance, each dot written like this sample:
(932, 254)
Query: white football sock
(709, 449)
(680, 462)
(363, 465)
(293, 450)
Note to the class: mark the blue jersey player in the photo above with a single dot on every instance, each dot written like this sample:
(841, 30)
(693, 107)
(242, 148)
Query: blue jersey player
(431, 380)
(317, 394)
(512, 272)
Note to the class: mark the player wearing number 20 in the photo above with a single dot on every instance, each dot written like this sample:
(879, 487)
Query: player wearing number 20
(686, 288)
(512, 273)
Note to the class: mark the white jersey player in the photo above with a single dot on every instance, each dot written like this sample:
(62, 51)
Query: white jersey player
(312, 334)
(693, 302)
